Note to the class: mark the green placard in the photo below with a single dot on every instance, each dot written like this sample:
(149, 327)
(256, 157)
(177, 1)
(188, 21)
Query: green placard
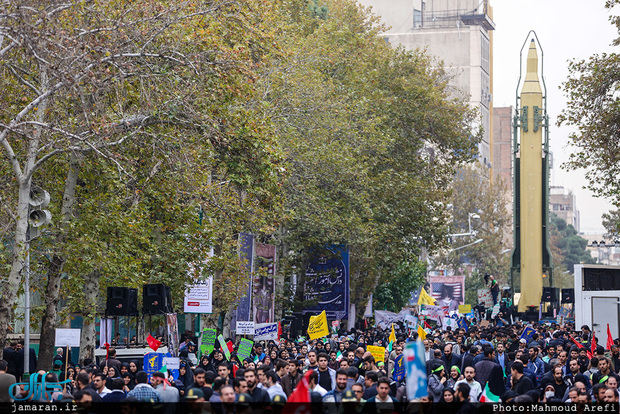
(245, 349)
(225, 349)
(208, 341)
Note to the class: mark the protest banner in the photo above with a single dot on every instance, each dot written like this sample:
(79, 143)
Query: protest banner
(495, 311)
(67, 337)
(464, 308)
(485, 297)
(245, 328)
(411, 321)
(245, 349)
(399, 368)
(172, 363)
(449, 322)
(378, 352)
(225, 349)
(383, 319)
(264, 284)
(448, 291)
(266, 331)
(327, 282)
(173, 333)
(208, 341)
(317, 328)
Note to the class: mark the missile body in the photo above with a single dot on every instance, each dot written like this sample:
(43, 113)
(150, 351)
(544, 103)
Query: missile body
(530, 184)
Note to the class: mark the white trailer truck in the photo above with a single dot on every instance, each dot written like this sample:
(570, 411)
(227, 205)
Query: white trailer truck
(597, 299)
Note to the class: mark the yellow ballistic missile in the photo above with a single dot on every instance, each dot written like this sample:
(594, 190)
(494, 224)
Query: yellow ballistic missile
(530, 183)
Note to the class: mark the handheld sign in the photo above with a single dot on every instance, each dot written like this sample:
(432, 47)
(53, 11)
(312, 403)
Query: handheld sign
(378, 352)
(266, 331)
(399, 368)
(245, 349)
(208, 341)
(225, 349)
(317, 328)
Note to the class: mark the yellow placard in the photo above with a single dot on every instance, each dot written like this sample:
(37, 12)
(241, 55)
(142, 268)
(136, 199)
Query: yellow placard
(464, 308)
(317, 328)
(378, 352)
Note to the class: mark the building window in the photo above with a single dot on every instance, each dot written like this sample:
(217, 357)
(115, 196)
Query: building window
(417, 18)
(485, 53)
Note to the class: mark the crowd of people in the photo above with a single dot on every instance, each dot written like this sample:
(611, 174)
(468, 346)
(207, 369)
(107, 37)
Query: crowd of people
(552, 364)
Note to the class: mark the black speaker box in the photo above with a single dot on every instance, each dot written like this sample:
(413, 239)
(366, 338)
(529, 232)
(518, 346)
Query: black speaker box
(156, 299)
(549, 295)
(122, 301)
(568, 295)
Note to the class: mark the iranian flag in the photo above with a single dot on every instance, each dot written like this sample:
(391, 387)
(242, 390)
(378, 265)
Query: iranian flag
(488, 396)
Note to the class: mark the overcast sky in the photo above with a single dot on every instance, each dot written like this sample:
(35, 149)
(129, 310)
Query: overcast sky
(567, 29)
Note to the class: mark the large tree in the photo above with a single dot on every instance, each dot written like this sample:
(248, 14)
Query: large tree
(132, 115)
(592, 108)
(372, 136)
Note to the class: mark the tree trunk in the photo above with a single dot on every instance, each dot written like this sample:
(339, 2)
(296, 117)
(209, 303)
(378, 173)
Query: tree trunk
(226, 328)
(54, 273)
(9, 289)
(87, 339)
(19, 256)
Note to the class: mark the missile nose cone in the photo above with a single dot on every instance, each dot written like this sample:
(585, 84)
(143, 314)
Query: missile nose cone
(532, 83)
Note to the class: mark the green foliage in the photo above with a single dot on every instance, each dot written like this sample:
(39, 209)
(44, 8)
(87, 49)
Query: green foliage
(372, 138)
(291, 120)
(473, 282)
(474, 193)
(571, 247)
(611, 222)
(592, 108)
(394, 294)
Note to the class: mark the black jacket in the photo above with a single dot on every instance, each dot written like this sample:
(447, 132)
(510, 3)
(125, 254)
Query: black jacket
(522, 386)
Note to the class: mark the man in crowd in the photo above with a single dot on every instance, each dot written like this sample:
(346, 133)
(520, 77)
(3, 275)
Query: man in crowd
(143, 391)
(370, 384)
(167, 393)
(271, 385)
(327, 376)
(474, 386)
(258, 395)
(382, 399)
(520, 383)
(6, 380)
(336, 394)
(99, 383)
(292, 378)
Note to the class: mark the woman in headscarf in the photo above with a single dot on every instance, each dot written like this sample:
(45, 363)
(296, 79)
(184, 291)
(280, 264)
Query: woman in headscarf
(112, 372)
(184, 357)
(206, 364)
(185, 375)
(124, 368)
(134, 367)
(130, 382)
(496, 381)
(455, 375)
